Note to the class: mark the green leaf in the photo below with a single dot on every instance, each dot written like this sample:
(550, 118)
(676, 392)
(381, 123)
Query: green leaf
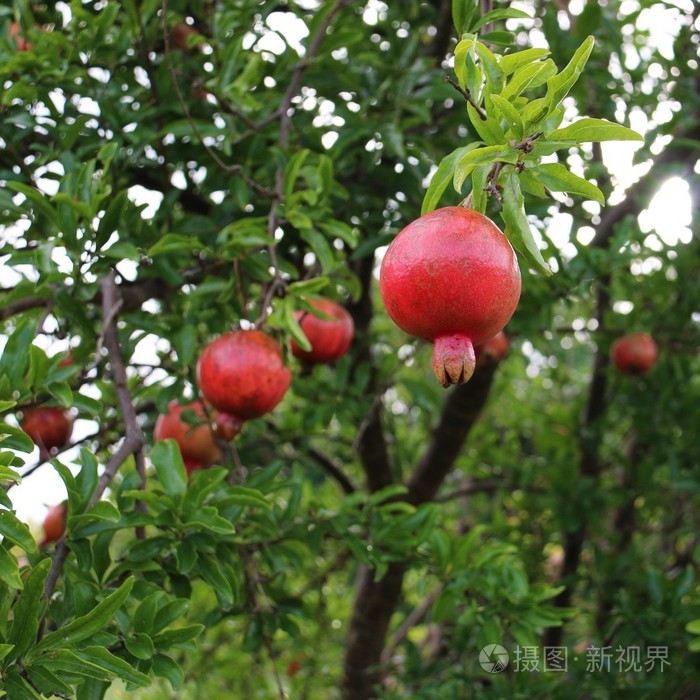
(388, 492)
(496, 15)
(165, 667)
(245, 496)
(320, 247)
(479, 195)
(586, 130)
(693, 627)
(114, 665)
(61, 391)
(28, 610)
(48, 682)
(5, 649)
(489, 130)
(181, 635)
(462, 67)
(175, 243)
(559, 179)
(6, 405)
(482, 156)
(293, 326)
(16, 531)
(510, 63)
(517, 227)
(291, 172)
(167, 459)
(212, 573)
(16, 688)
(510, 114)
(68, 662)
(525, 77)
(304, 288)
(339, 229)
(9, 571)
(463, 12)
(558, 86)
(113, 216)
(86, 479)
(15, 438)
(88, 625)
(35, 198)
(15, 356)
(442, 176)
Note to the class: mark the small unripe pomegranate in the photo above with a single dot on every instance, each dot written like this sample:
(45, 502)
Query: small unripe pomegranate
(242, 373)
(330, 338)
(451, 277)
(635, 353)
(494, 349)
(227, 425)
(48, 426)
(197, 443)
(54, 524)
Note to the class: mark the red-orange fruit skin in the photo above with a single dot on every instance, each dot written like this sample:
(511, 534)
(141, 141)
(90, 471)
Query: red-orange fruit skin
(22, 43)
(54, 524)
(243, 373)
(635, 353)
(227, 425)
(197, 443)
(451, 277)
(48, 426)
(330, 338)
(180, 36)
(494, 349)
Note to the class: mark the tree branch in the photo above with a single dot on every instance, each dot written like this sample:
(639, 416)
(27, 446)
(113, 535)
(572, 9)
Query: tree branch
(134, 438)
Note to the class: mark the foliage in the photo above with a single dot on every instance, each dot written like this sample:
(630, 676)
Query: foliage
(159, 191)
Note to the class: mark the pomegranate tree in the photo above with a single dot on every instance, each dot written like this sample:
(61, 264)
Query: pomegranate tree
(451, 277)
(635, 353)
(330, 338)
(242, 373)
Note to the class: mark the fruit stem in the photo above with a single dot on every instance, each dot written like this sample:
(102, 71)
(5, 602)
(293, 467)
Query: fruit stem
(453, 359)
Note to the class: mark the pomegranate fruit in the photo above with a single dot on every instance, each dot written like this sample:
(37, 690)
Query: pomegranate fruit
(196, 442)
(635, 353)
(494, 349)
(180, 36)
(54, 524)
(22, 43)
(330, 338)
(242, 373)
(451, 277)
(227, 426)
(48, 426)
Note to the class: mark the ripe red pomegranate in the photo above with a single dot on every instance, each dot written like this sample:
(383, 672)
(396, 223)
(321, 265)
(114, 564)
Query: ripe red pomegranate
(54, 524)
(635, 353)
(48, 426)
(494, 349)
(330, 338)
(227, 426)
(242, 373)
(197, 443)
(451, 277)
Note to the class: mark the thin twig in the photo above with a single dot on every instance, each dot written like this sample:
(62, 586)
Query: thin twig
(467, 95)
(273, 218)
(410, 622)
